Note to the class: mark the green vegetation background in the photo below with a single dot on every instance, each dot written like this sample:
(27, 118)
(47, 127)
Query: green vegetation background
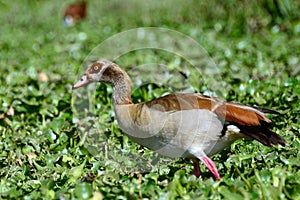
(43, 154)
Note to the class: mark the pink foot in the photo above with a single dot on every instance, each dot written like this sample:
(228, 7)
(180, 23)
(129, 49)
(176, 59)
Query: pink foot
(211, 166)
(196, 170)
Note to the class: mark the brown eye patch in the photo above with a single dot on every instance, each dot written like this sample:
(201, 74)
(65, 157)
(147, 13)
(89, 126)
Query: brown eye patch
(95, 68)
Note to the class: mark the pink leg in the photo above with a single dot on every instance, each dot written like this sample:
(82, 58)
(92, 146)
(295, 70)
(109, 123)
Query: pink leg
(196, 170)
(211, 166)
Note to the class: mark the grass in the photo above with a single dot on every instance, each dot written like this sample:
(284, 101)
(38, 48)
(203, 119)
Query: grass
(45, 154)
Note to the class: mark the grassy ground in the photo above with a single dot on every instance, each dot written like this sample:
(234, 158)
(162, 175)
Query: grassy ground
(44, 154)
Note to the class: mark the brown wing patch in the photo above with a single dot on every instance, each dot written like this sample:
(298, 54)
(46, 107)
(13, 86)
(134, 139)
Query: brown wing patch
(229, 111)
(174, 102)
(242, 115)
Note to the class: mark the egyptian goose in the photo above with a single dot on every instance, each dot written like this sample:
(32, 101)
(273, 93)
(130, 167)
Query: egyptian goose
(182, 125)
(74, 13)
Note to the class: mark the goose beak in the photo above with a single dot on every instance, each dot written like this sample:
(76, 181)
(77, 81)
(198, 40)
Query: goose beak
(82, 82)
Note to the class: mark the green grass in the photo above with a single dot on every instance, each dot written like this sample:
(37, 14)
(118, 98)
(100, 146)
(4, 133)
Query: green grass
(43, 152)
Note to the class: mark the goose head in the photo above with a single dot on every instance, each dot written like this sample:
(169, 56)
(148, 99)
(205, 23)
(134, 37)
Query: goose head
(95, 73)
(108, 72)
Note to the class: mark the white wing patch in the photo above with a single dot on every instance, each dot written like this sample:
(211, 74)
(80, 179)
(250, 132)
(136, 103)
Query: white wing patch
(233, 129)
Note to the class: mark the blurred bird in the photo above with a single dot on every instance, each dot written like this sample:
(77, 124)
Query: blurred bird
(74, 13)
